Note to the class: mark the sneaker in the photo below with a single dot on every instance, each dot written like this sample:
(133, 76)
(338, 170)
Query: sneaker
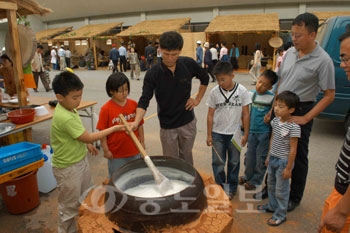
(241, 180)
(249, 186)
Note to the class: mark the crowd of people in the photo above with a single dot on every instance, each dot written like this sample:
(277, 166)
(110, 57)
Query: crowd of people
(128, 58)
(60, 57)
(274, 120)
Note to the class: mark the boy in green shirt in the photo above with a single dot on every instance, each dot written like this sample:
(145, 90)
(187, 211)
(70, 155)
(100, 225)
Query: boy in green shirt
(70, 143)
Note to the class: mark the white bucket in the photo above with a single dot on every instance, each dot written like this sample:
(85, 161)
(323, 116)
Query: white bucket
(41, 111)
(46, 180)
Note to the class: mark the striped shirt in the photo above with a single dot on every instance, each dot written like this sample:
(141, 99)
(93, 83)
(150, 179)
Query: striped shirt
(342, 178)
(281, 134)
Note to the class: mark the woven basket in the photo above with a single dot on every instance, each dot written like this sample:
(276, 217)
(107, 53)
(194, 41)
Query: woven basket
(275, 42)
(27, 43)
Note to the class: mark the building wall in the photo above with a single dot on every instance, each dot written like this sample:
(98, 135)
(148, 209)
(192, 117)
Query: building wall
(76, 23)
(201, 15)
(35, 23)
(285, 11)
(127, 19)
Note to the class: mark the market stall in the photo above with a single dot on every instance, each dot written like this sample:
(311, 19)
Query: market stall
(85, 40)
(11, 9)
(150, 30)
(16, 169)
(245, 30)
(45, 36)
(324, 15)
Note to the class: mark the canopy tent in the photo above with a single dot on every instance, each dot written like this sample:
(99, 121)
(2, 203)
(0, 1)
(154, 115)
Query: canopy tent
(155, 27)
(89, 33)
(245, 31)
(45, 35)
(23, 8)
(244, 23)
(11, 9)
(324, 15)
(150, 30)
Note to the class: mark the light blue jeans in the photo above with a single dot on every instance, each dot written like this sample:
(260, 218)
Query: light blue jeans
(278, 188)
(225, 149)
(115, 164)
(258, 148)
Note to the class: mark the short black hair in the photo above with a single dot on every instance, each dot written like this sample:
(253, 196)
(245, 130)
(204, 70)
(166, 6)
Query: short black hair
(344, 36)
(115, 81)
(171, 40)
(65, 82)
(310, 21)
(280, 49)
(270, 75)
(257, 46)
(223, 67)
(287, 45)
(289, 98)
(4, 56)
(39, 46)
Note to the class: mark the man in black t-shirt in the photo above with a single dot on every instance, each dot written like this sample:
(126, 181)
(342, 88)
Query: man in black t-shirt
(171, 83)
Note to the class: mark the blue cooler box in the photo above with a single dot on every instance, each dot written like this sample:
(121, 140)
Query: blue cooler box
(18, 155)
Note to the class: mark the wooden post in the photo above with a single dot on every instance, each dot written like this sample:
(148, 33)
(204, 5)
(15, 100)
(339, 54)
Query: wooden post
(94, 51)
(274, 59)
(17, 58)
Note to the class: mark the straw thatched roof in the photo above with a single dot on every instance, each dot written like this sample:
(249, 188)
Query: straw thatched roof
(155, 27)
(89, 31)
(47, 34)
(244, 23)
(323, 16)
(26, 7)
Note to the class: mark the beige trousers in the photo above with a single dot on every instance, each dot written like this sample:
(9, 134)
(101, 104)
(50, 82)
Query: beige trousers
(71, 184)
(62, 63)
(179, 142)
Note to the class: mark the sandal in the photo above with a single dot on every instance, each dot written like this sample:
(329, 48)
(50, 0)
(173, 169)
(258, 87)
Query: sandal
(264, 208)
(276, 222)
(241, 180)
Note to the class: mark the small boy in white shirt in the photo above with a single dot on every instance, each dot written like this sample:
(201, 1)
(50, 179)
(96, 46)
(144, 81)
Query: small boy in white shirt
(228, 104)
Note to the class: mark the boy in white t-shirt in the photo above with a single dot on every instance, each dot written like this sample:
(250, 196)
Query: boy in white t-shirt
(228, 104)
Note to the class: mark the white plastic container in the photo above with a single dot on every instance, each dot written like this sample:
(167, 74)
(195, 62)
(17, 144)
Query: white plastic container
(41, 111)
(46, 180)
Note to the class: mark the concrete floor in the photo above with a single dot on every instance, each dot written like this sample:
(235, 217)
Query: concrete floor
(325, 143)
